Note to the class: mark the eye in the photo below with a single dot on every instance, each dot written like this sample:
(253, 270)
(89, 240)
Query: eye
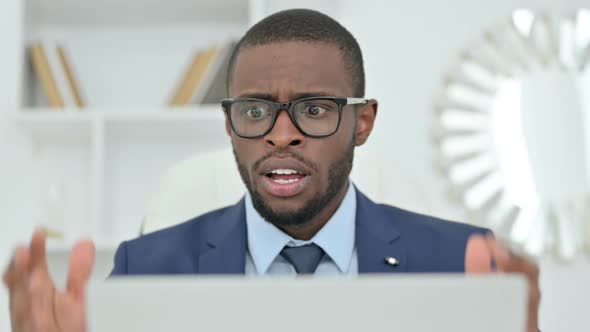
(255, 113)
(315, 111)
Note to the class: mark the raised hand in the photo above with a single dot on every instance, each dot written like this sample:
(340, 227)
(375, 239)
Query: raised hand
(483, 250)
(35, 303)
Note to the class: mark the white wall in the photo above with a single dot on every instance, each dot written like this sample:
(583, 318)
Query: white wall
(407, 47)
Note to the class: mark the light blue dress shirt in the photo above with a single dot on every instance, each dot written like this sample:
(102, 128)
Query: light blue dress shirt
(336, 238)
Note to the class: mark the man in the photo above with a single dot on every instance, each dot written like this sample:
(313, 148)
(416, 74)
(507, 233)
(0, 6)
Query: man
(297, 113)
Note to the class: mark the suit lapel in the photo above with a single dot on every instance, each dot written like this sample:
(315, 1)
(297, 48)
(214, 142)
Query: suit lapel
(377, 239)
(223, 250)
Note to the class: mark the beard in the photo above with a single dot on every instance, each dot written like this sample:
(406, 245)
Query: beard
(337, 178)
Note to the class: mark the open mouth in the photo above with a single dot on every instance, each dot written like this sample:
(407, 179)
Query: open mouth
(285, 182)
(285, 176)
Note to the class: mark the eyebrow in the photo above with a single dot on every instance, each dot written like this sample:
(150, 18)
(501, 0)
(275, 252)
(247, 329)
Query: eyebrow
(273, 97)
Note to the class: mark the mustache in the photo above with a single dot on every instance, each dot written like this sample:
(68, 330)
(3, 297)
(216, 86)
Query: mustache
(285, 153)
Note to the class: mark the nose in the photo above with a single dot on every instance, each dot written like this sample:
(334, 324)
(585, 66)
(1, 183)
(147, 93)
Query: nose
(284, 133)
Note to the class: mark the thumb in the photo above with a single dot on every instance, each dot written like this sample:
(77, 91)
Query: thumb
(478, 258)
(81, 263)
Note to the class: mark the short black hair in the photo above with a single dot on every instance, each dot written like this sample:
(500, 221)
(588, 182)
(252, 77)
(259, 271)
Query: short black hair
(308, 26)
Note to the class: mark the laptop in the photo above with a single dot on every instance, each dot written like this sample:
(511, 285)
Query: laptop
(413, 302)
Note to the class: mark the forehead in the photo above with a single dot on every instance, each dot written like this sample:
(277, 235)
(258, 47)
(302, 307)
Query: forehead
(286, 70)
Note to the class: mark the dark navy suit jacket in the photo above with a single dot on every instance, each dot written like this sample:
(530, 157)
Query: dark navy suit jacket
(216, 243)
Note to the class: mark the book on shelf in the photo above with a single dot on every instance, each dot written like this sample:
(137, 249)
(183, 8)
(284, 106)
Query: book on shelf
(45, 75)
(216, 83)
(204, 79)
(70, 76)
(193, 77)
(55, 73)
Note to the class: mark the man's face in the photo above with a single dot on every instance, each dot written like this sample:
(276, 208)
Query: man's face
(283, 72)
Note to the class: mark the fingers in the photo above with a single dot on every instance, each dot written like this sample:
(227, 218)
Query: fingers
(17, 268)
(81, 263)
(17, 280)
(510, 262)
(42, 293)
(30, 287)
(500, 256)
(27, 259)
(38, 255)
(486, 254)
(478, 257)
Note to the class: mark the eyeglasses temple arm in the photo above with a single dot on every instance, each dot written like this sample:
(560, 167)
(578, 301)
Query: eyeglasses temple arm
(353, 101)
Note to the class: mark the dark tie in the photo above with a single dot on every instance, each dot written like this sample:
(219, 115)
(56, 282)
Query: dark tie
(305, 259)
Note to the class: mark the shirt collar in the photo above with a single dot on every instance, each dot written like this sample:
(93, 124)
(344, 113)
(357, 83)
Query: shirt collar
(336, 238)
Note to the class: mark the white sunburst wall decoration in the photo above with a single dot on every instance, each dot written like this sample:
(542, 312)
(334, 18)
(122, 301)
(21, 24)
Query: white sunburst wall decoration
(513, 131)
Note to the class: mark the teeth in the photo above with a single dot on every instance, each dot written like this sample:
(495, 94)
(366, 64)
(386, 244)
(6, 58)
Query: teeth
(284, 171)
(281, 181)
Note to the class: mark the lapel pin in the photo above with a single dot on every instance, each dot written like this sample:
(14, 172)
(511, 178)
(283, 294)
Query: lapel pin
(391, 261)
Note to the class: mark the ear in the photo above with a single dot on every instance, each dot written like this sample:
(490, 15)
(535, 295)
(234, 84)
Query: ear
(365, 120)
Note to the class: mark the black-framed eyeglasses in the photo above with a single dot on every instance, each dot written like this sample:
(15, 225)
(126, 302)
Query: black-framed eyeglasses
(314, 116)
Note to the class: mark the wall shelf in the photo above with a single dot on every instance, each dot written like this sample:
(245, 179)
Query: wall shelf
(109, 12)
(46, 124)
(121, 152)
(51, 126)
(40, 115)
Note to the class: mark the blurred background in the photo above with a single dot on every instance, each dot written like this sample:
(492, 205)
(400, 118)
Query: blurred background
(109, 126)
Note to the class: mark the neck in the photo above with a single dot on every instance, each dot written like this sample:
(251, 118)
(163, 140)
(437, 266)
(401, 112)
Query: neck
(308, 230)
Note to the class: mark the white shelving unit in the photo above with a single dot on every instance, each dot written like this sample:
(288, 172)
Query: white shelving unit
(112, 151)
(93, 171)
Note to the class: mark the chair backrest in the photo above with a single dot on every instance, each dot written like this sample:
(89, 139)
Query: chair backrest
(195, 186)
(211, 180)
